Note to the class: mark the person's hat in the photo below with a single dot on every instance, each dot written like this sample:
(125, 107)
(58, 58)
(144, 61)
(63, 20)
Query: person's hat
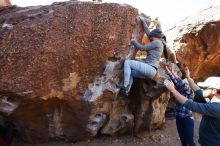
(212, 82)
(156, 33)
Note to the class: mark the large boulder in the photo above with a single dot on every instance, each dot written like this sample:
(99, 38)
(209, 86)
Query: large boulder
(58, 69)
(196, 40)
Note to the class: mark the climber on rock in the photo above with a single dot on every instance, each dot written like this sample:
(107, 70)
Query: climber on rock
(146, 68)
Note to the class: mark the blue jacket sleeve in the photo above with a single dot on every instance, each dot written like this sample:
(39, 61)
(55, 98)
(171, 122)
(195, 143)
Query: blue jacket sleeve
(199, 96)
(208, 109)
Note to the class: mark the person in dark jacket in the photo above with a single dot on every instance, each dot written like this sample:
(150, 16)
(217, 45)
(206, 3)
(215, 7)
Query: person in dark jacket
(209, 130)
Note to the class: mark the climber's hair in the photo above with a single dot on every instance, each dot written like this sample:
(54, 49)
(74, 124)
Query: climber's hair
(164, 41)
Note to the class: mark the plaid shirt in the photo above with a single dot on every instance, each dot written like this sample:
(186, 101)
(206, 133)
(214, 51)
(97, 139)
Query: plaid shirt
(184, 89)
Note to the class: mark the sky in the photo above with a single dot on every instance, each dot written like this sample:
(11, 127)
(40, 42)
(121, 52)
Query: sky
(169, 12)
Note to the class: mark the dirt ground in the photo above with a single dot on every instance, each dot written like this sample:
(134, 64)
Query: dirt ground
(167, 136)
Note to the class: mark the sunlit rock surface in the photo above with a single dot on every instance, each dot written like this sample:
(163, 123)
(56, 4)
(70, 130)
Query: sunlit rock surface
(197, 42)
(4, 3)
(58, 69)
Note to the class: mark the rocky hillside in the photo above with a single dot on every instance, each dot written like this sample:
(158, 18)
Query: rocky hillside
(196, 40)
